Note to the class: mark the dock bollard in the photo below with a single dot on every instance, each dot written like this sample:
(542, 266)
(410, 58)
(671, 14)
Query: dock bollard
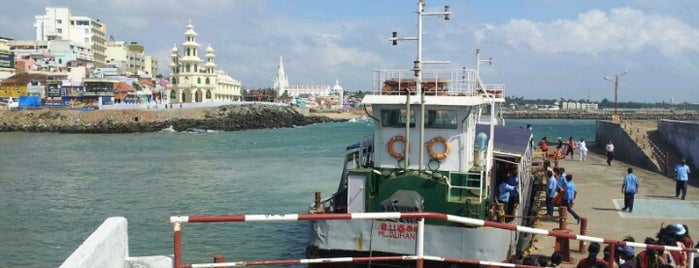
(562, 244)
(583, 231)
(218, 258)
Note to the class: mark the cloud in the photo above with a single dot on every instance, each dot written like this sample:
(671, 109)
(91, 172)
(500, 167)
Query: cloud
(594, 32)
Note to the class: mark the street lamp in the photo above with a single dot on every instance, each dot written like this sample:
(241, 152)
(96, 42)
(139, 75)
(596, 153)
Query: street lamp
(616, 90)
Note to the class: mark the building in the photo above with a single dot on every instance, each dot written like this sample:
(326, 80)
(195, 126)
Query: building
(129, 59)
(315, 96)
(27, 84)
(51, 55)
(7, 59)
(571, 105)
(58, 23)
(192, 82)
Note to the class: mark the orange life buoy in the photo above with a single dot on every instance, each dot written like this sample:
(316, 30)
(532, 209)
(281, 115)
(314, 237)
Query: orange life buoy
(392, 151)
(435, 155)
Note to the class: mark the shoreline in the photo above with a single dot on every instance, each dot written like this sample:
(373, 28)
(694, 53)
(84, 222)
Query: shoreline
(233, 117)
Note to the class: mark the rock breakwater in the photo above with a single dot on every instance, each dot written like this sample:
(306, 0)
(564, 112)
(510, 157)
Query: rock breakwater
(226, 118)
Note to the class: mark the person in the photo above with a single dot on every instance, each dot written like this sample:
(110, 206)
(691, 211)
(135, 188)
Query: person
(626, 257)
(544, 145)
(682, 178)
(556, 258)
(513, 180)
(570, 146)
(570, 194)
(650, 257)
(559, 148)
(562, 179)
(582, 149)
(592, 260)
(529, 127)
(629, 188)
(504, 195)
(551, 189)
(610, 152)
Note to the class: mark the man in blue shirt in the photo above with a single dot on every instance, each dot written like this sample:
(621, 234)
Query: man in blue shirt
(629, 189)
(569, 196)
(551, 187)
(682, 171)
(505, 193)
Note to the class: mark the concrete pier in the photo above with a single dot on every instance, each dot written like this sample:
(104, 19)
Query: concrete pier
(600, 200)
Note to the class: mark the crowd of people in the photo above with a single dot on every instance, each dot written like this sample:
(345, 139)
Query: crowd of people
(674, 235)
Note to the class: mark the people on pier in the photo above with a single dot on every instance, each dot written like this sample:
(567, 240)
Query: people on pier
(682, 178)
(570, 146)
(629, 188)
(582, 149)
(592, 260)
(551, 189)
(570, 194)
(544, 145)
(609, 148)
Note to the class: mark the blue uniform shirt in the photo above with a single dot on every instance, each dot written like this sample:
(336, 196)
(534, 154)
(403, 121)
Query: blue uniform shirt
(631, 183)
(562, 181)
(682, 172)
(504, 191)
(570, 191)
(551, 187)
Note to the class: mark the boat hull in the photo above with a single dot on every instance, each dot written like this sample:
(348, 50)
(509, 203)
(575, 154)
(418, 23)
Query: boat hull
(330, 238)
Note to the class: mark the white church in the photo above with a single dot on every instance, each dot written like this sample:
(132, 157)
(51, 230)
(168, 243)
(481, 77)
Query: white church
(192, 82)
(315, 96)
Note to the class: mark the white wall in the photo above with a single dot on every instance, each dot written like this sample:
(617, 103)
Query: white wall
(107, 247)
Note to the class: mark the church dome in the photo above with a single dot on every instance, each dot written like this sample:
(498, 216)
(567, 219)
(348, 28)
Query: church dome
(337, 86)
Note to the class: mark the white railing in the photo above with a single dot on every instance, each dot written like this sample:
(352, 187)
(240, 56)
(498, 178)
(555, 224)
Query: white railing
(418, 257)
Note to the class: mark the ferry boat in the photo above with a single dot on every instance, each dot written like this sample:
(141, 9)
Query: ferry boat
(438, 146)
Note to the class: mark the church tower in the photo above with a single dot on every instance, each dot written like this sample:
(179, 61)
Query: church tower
(281, 83)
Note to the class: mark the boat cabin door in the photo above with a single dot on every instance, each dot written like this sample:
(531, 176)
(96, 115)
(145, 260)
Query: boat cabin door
(355, 193)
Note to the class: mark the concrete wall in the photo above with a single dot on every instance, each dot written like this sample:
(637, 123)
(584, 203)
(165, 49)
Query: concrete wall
(625, 149)
(107, 247)
(682, 136)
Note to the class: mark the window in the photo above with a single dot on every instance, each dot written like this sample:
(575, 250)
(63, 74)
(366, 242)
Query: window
(174, 81)
(440, 119)
(208, 94)
(208, 81)
(172, 94)
(396, 118)
(198, 80)
(59, 21)
(59, 30)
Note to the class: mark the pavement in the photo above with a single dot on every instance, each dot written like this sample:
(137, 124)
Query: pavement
(600, 200)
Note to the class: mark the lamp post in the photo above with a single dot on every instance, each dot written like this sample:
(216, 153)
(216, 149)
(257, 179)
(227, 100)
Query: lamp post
(616, 90)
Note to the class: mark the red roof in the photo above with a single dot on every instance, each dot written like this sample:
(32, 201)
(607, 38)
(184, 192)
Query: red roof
(122, 89)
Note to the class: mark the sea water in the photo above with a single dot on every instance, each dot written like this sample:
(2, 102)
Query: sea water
(56, 189)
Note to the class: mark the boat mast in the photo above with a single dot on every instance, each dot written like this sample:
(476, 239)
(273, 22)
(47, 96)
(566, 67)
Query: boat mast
(491, 96)
(417, 69)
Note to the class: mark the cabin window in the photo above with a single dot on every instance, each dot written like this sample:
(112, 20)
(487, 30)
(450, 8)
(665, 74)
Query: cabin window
(440, 119)
(396, 118)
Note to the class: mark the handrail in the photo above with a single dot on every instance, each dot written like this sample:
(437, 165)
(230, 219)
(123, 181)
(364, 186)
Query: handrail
(661, 157)
(177, 222)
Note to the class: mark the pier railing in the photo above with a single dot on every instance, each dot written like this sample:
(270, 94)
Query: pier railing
(418, 257)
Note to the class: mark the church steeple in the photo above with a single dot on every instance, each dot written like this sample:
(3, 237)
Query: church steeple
(281, 83)
(190, 60)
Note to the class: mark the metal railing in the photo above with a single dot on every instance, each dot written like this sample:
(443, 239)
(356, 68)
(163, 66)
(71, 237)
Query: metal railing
(418, 257)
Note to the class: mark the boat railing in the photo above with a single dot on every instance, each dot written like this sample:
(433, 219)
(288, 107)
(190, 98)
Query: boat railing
(471, 179)
(456, 82)
(419, 257)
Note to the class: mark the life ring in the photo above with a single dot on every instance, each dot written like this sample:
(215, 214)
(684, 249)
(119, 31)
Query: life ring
(392, 151)
(435, 155)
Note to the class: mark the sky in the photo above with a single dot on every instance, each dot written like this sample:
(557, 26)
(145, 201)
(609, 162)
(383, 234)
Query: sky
(541, 49)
